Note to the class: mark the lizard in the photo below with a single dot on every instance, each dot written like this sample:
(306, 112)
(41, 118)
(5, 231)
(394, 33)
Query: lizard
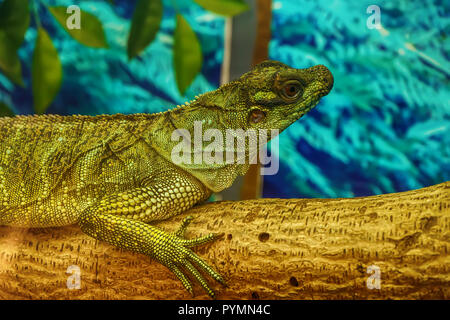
(113, 175)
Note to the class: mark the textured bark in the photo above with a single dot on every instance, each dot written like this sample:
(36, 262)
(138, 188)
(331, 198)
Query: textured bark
(272, 249)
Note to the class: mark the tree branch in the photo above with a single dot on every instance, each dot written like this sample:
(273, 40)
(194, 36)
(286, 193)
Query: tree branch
(272, 249)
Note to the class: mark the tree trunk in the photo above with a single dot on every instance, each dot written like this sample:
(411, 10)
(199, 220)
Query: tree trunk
(252, 186)
(272, 249)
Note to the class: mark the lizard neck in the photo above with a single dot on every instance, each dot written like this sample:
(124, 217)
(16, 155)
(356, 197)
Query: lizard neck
(187, 136)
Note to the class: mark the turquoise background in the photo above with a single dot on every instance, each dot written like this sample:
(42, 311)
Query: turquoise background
(385, 127)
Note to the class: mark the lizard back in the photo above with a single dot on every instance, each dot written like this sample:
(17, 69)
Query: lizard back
(37, 152)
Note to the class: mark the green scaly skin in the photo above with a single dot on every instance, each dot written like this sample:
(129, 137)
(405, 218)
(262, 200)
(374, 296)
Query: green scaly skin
(113, 175)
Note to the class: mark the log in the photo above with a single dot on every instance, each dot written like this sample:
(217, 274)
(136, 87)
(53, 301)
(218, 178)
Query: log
(272, 249)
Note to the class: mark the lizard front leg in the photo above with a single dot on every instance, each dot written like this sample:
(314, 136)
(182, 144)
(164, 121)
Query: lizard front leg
(122, 220)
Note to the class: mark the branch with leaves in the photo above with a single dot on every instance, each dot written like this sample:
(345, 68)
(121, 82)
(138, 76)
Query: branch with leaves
(47, 71)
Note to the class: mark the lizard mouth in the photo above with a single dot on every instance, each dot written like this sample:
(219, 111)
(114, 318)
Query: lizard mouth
(314, 101)
(299, 113)
(327, 82)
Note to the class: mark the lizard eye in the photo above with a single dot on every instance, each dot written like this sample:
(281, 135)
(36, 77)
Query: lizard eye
(291, 90)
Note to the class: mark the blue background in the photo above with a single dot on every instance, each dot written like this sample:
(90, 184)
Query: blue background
(385, 127)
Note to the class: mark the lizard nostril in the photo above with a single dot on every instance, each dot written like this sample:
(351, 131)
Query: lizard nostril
(329, 80)
(324, 76)
(327, 77)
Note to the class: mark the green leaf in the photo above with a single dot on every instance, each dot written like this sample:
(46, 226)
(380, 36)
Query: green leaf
(187, 54)
(144, 26)
(224, 7)
(14, 21)
(90, 34)
(5, 111)
(9, 60)
(46, 72)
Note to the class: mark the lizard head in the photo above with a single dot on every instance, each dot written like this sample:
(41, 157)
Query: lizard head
(271, 96)
(278, 95)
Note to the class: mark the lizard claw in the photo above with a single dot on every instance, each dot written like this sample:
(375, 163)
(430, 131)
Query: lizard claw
(176, 254)
(182, 229)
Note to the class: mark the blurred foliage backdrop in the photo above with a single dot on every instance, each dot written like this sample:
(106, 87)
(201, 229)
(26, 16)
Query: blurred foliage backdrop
(384, 128)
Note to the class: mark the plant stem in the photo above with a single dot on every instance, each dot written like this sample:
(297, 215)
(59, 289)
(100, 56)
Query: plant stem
(175, 6)
(36, 14)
